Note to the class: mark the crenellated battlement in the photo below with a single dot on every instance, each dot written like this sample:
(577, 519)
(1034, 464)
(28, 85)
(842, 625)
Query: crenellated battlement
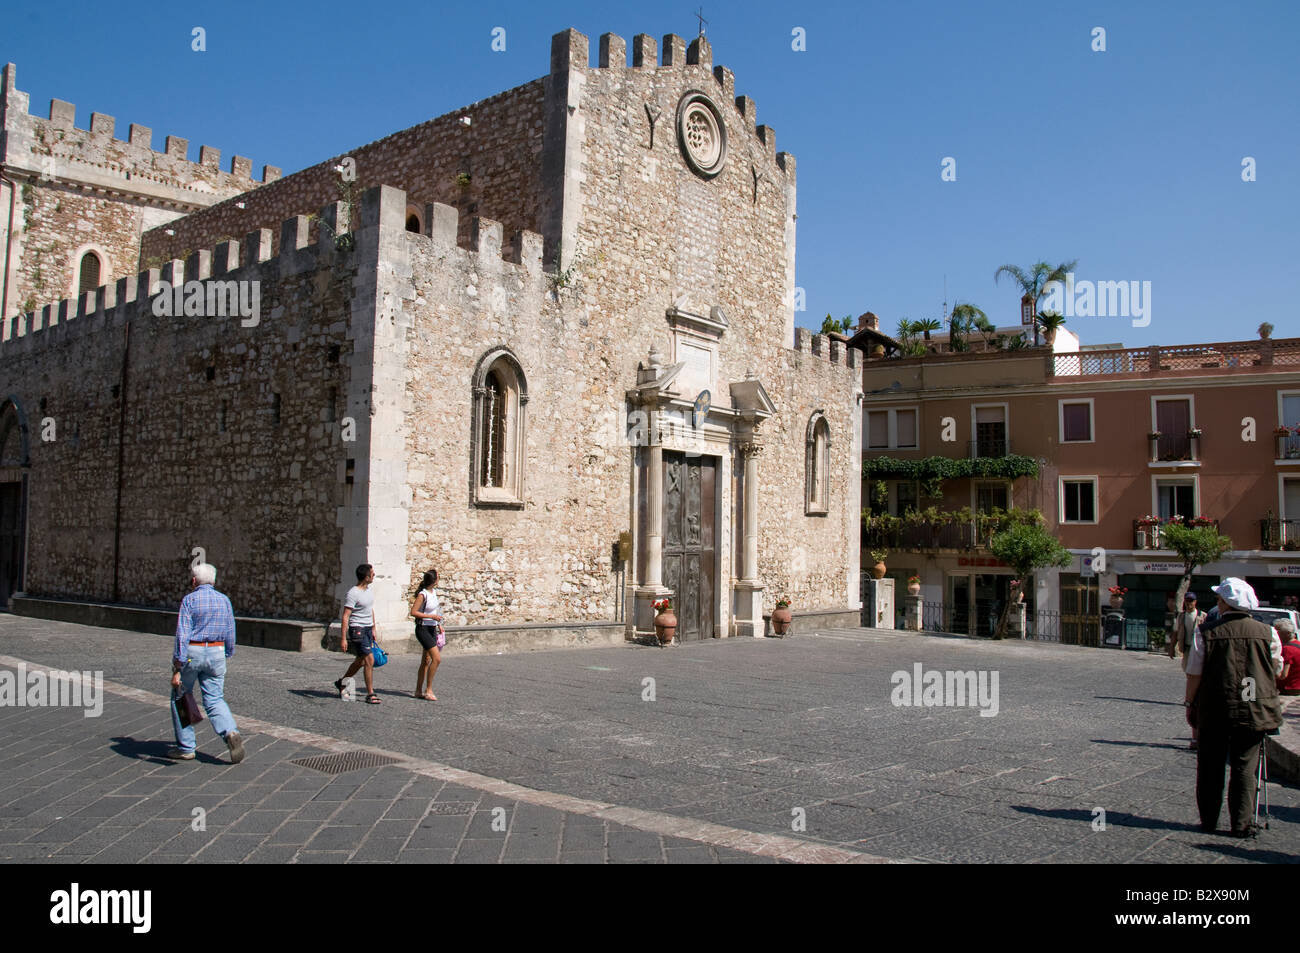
(55, 148)
(572, 49)
(826, 347)
(306, 243)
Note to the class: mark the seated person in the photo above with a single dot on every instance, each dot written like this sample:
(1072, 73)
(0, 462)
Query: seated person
(1288, 683)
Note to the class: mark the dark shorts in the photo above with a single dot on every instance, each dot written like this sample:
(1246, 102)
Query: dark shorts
(427, 635)
(361, 640)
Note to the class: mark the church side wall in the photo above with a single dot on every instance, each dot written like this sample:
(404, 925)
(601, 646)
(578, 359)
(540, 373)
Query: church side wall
(554, 563)
(232, 435)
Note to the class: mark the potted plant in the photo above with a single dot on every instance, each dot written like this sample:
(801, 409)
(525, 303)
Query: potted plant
(665, 620)
(879, 569)
(1050, 322)
(781, 616)
(1117, 594)
(913, 585)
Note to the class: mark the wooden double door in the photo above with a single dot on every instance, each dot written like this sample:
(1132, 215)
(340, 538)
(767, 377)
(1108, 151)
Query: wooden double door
(11, 540)
(690, 567)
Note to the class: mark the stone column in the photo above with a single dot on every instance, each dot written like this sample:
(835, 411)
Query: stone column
(749, 571)
(654, 539)
(748, 590)
(652, 584)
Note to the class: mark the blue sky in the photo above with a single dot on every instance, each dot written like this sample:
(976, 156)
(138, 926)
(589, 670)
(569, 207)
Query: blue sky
(1129, 160)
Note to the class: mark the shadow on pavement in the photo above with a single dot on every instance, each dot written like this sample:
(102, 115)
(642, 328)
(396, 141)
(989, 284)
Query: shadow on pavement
(153, 751)
(1258, 854)
(1113, 818)
(1140, 701)
(1142, 744)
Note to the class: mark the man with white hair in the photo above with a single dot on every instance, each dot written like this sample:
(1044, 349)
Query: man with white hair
(1232, 698)
(205, 638)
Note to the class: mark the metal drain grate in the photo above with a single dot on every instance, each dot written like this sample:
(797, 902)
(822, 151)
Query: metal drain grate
(345, 761)
(447, 808)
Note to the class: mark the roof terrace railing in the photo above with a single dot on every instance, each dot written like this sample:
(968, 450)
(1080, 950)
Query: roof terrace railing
(1178, 358)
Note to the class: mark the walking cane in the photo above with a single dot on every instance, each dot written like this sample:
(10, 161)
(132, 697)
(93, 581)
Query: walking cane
(1261, 781)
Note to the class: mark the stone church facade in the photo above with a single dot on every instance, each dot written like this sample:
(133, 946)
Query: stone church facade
(544, 344)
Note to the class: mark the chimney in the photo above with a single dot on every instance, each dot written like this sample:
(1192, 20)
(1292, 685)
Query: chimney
(868, 320)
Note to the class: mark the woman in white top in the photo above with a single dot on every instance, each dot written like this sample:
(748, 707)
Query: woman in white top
(428, 629)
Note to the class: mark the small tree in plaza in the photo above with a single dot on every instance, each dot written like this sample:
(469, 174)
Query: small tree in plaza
(1025, 547)
(1195, 546)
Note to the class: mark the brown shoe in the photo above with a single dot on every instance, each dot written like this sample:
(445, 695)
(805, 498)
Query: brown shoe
(180, 754)
(236, 746)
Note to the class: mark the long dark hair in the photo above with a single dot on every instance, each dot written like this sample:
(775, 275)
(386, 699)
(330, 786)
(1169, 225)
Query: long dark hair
(430, 578)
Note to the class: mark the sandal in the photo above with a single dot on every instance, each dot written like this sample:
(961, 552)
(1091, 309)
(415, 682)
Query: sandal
(430, 697)
(373, 699)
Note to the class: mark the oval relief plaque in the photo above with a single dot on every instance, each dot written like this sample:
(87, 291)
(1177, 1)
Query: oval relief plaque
(701, 134)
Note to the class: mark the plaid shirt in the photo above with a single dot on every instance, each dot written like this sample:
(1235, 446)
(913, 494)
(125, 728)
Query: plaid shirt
(205, 616)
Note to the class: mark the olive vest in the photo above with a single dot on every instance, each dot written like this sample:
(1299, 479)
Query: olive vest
(1238, 648)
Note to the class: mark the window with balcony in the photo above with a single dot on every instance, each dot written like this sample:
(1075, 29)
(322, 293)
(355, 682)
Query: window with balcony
(1078, 499)
(1076, 421)
(1288, 427)
(893, 429)
(1173, 422)
(990, 431)
(1176, 498)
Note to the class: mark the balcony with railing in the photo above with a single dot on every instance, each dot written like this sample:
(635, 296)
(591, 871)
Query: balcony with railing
(1149, 533)
(995, 446)
(1277, 534)
(1288, 442)
(959, 531)
(1178, 447)
(1180, 360)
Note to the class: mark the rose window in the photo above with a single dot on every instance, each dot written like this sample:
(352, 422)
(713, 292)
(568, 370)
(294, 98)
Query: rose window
(701, 133)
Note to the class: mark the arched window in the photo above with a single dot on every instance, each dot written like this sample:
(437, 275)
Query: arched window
(88, 277)
(817, 465)
(500, 397)
(413, 223)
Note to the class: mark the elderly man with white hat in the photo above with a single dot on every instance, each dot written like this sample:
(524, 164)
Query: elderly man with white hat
(1232, 698)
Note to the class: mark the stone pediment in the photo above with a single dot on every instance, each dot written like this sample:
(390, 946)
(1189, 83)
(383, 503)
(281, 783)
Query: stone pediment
(749, 398)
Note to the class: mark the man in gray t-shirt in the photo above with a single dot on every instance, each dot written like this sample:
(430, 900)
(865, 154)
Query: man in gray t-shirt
(359, 630)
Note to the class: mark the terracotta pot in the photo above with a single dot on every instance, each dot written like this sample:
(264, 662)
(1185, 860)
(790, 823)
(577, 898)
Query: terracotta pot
(878, 570)
(781, 619)
(913, 588)
(1117, 602)
(666, 626)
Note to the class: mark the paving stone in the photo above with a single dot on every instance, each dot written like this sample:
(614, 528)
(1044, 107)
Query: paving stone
(337, 838)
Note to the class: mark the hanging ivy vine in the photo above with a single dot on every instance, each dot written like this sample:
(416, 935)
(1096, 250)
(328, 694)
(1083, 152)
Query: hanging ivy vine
(930, 471)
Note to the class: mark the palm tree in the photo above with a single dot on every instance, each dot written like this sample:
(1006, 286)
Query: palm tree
(1032, 282)
(963, 319)
(926, 325)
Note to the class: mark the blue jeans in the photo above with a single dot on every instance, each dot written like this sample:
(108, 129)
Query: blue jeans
(207, 666)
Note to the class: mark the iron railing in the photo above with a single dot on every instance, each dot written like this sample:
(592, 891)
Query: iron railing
(988, 447)
(1177, 358)
(1105, 630)
(1279, 534)
(1151, 535)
